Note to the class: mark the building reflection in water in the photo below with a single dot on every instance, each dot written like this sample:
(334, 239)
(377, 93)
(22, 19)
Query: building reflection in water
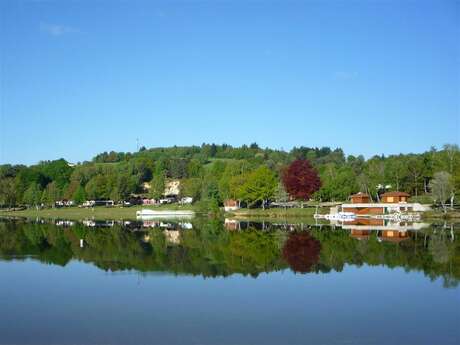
(235, 246)
(386, 230)
(126, 224)
(360, 229)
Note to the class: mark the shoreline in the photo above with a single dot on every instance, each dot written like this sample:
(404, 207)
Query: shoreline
(129, 213)
(98, 212)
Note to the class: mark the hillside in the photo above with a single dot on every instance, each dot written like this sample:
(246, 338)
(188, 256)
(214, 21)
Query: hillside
(218, 172)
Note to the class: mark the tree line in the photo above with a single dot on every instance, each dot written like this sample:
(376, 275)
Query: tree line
(435, 252)
(213, 173)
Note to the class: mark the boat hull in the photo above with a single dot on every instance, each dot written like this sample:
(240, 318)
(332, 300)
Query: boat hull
(165, 213)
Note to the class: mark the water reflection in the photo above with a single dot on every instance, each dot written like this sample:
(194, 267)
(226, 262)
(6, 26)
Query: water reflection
(301, 251)
(212, 248)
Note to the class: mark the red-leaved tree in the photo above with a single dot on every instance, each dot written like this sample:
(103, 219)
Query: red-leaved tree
(301, 180)
(301, 251)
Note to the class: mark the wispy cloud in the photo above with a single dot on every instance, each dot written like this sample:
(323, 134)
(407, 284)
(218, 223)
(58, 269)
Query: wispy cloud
(343, 75)
(57, 30)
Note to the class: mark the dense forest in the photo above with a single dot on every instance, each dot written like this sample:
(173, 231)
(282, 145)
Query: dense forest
(214, 173)
(209, 250)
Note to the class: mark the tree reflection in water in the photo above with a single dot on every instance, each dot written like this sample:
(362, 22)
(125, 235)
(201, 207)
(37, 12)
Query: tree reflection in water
(301, 251)
(212, 248)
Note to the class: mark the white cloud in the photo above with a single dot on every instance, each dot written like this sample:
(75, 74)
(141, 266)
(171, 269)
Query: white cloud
(57, 30)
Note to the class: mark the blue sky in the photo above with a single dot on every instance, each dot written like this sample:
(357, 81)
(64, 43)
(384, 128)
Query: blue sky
(371, 77)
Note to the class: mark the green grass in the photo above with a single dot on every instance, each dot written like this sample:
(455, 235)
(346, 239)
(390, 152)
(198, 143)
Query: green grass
(276, 212)
(99, 212)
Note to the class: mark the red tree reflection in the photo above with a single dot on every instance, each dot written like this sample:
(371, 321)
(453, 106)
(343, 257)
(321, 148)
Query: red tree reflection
(301, 251)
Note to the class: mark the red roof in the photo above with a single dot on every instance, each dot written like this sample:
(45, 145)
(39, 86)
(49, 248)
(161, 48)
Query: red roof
(360, 194)
(395, 194)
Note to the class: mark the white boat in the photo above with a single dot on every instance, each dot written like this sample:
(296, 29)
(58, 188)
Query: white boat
(164, 213)
(408, 217)
(343, 216)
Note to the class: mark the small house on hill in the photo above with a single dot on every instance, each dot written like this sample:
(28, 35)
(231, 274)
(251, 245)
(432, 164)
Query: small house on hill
(231, 205)
(391, 202)
(395, 197)
(359, 198)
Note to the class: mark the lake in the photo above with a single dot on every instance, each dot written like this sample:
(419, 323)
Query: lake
(204, 281)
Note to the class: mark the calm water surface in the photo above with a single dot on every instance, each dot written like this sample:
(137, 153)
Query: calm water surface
(214, 282)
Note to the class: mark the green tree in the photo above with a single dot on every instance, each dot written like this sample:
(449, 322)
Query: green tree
(191, 187)
(79, 195)
(453, 153)
(194, 168)
(415, 168)
(96, 188)
(442, 188)
(396, 171)
(32, 195)
(337, 182)
(260, 186)
(210, 189)
(51, 194)
(58, 171)
(8, 196)
(70, 189)
(281, 195)
(158, 183)
(121, 189)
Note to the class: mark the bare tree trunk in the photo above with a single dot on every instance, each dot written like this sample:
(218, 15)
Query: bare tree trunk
(452, 196)
(368, 192)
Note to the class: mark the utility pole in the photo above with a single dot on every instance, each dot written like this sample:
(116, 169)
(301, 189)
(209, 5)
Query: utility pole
(137, 144)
